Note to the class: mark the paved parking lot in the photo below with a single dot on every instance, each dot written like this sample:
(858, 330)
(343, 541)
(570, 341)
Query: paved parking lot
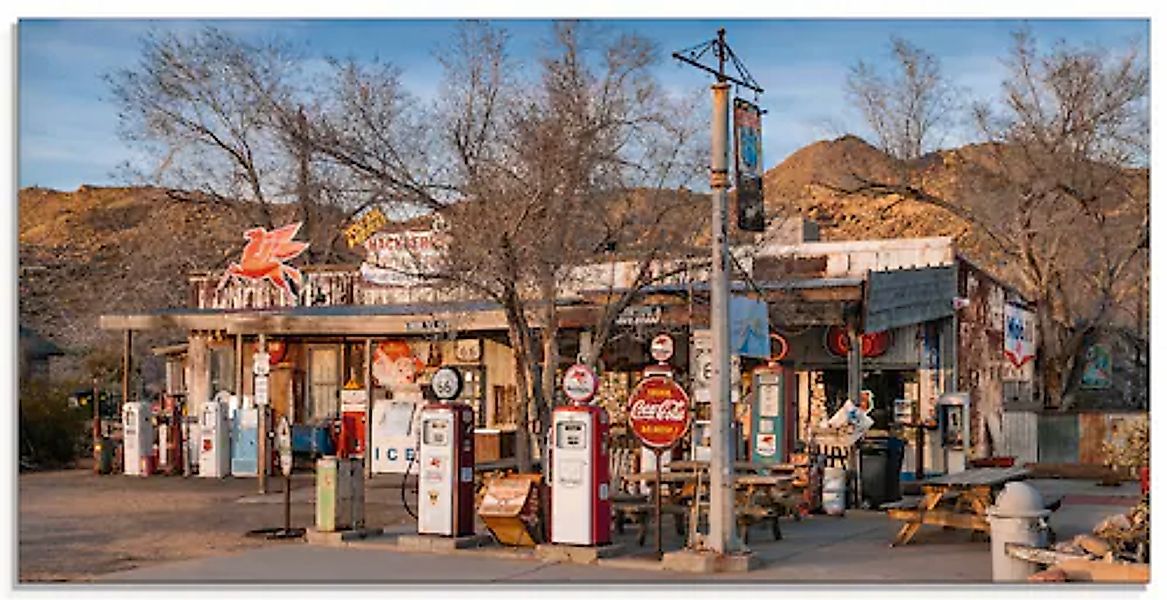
(76, 526)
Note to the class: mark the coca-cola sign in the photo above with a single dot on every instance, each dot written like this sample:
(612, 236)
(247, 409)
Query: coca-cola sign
(658, 411)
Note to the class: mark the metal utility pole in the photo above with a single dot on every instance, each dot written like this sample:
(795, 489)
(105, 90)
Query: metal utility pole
(263, 411)
(723, 537)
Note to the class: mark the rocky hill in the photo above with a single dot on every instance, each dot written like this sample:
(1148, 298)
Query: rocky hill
(105, 250)
(108, 250)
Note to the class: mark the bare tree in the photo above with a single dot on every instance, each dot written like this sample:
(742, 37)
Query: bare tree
(1060, 190)
(908, 108)
(196, 109)
(578, 161)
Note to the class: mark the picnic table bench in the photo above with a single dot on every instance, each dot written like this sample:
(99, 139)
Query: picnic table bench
(960, 500)
(757, 498)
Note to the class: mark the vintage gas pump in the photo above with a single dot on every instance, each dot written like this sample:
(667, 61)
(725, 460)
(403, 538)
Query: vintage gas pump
(137, 437)
(446, 457)
(768, 419)
(351, 441)
(245, 441)
(170, 436)
(214, 447)
(953, 415)
(581, 508)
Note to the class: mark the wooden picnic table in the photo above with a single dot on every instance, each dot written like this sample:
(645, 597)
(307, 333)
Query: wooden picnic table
(757, 497)
(744, 466)
(959, 500)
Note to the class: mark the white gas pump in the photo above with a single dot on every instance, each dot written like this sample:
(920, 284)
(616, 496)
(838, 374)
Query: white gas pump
(137, 436)
(953, 416)
(581, 509)
(446, 474)
(214, 450)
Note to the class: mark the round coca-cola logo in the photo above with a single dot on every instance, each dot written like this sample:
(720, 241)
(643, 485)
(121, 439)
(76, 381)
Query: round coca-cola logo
(658, 411)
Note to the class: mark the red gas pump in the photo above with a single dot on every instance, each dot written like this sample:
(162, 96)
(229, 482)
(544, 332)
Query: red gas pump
(352, 421)
(581, 505)
(170, 456)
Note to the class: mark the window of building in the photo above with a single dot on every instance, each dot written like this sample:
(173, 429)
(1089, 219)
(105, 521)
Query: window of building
(222, 359)
(323, 383)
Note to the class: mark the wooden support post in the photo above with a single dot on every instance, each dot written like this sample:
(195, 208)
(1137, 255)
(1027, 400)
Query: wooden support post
(263, 445)
(368, 450)
(127, 364)
(854, 386)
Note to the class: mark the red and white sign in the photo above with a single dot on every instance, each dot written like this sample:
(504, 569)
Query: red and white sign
(580, 383)
(662, 347)
(658, 412)
(870, 344)
(264, 257)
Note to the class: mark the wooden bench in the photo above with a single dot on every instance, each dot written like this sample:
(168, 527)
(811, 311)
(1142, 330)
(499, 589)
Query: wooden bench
(639, 510)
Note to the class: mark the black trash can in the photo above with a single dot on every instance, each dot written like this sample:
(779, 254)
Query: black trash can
(881, 459)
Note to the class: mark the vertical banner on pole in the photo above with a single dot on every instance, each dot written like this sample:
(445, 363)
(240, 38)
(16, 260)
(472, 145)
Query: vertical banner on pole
(747, 138)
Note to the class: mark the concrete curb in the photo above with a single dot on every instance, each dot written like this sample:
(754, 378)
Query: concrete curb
(341, 538)
(584, 555)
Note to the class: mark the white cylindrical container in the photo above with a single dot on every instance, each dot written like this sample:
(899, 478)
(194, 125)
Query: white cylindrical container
(1017, 517)
(834, 490)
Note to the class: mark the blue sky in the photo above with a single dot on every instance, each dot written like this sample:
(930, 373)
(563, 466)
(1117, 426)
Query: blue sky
(68, 128)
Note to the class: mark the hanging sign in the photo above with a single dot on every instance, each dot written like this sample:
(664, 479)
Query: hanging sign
(747, 127)
(264, 257)
(276, 351)
(446, 383)
(1096, 375)
(1019, 335)
(661, 348)
(261, 390)
(658, 412)
(580, 383)
(870, 344)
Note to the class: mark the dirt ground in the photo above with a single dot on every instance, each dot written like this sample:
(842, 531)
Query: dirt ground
(75, 524)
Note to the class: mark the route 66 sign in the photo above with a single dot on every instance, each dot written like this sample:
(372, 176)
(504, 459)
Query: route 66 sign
(446, 383)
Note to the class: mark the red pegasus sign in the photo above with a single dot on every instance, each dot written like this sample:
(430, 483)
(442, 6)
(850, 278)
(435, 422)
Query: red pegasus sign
(264, 257)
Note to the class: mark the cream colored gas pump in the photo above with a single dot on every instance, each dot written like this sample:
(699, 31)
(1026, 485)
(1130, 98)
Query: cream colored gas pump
(137, 436)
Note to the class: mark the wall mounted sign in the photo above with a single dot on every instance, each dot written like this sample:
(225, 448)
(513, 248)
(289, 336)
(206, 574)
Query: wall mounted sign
(580, 383)
(402, 258)
(701, 367)
(395, 364)
(446, 383)
(658, 412)
(264, 257)
(1020, 338)
(468, 350)
(639, 315)
(871, 345)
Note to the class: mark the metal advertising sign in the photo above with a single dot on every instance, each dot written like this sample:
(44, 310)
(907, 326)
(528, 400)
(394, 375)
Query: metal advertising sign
(701, 367)
(871, 345)
(661, 348)
(1020, 346)
(264, 257)
(446, 383)
(261, 390)
(580, 383)
(284, 446)
(658, 412)
(364, 226)
(396, 258)
(1096, 375)
(747, 127)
